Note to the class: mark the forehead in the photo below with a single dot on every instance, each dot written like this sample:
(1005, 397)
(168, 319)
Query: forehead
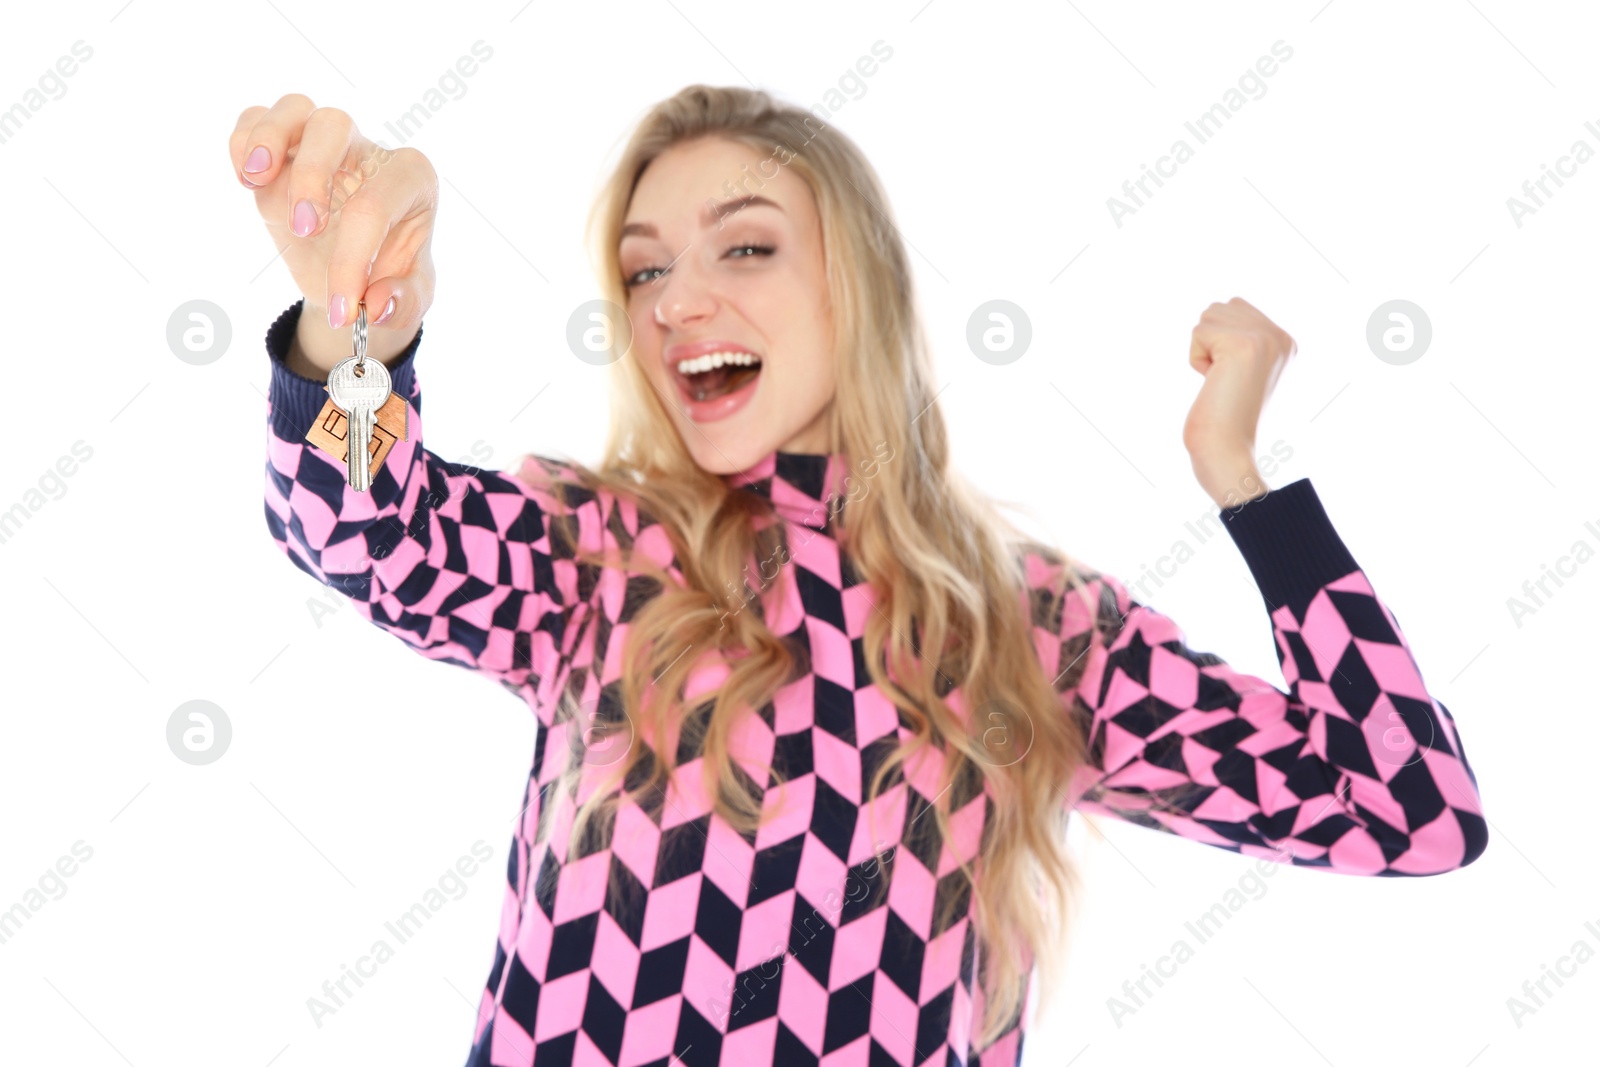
(681, 186)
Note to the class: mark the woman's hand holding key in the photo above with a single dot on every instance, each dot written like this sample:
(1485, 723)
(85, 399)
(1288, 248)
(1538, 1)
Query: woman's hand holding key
(354, 222)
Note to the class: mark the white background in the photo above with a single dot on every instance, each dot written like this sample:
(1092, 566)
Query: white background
(1377, 166)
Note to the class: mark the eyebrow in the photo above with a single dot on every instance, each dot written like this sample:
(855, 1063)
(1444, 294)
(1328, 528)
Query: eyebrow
(708, 214)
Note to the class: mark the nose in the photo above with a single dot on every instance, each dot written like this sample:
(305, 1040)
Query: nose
(683, 299)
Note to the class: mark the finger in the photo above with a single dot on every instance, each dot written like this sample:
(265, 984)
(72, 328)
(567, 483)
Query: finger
(367, 233)
(402, 274)
(237, 139)
(410, 293)
(1199, 349)
(400, 286)
(364, 221)
(325, 141)
(265, 135)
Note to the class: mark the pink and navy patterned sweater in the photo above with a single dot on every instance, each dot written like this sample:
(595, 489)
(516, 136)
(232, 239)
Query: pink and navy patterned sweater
(734, 949)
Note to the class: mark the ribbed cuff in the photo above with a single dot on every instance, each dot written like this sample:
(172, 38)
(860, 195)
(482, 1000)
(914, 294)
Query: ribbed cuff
(296, 399)
(1289, 544)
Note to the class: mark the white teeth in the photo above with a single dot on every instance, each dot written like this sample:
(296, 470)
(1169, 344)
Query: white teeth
(710, 360)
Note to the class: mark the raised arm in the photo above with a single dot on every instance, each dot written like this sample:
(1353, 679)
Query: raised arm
(453, 560)
(1355, 769)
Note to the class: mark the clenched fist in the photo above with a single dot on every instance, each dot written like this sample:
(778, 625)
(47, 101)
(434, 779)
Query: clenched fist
(1241, 353)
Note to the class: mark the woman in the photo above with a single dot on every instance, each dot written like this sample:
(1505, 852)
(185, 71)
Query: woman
(728, 620)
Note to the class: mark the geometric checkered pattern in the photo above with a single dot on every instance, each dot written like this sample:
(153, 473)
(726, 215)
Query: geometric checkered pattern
(816, 940)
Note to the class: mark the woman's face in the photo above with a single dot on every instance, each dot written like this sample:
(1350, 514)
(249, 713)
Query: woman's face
(705, 274)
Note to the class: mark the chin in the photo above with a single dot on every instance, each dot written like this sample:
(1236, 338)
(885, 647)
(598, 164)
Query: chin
(729, 446)
(727, 458)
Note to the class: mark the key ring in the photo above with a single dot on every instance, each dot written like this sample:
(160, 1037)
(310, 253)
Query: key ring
(359, 336)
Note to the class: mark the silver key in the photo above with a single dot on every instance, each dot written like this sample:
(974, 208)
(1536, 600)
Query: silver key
(359, 392)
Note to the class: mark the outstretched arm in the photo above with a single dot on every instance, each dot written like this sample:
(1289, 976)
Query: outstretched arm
(453, 560)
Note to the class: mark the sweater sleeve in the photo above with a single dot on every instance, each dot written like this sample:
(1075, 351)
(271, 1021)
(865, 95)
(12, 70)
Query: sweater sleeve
(452, 559)
(1356, 768)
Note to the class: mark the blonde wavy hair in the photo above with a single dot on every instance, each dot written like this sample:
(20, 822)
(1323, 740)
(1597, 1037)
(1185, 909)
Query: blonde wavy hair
(946, 569)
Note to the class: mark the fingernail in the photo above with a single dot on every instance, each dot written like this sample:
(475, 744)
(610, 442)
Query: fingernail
(388, 309)
(305, 218)
(336, 311)
(259, 160)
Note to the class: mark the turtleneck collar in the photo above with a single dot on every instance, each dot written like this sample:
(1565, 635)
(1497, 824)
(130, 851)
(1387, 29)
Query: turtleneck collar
(802, 486)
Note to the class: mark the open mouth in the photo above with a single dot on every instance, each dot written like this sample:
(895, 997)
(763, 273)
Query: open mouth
(717, 374)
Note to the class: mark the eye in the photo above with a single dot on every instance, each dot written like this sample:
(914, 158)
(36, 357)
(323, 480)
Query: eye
(630, 282)
(637, 278)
